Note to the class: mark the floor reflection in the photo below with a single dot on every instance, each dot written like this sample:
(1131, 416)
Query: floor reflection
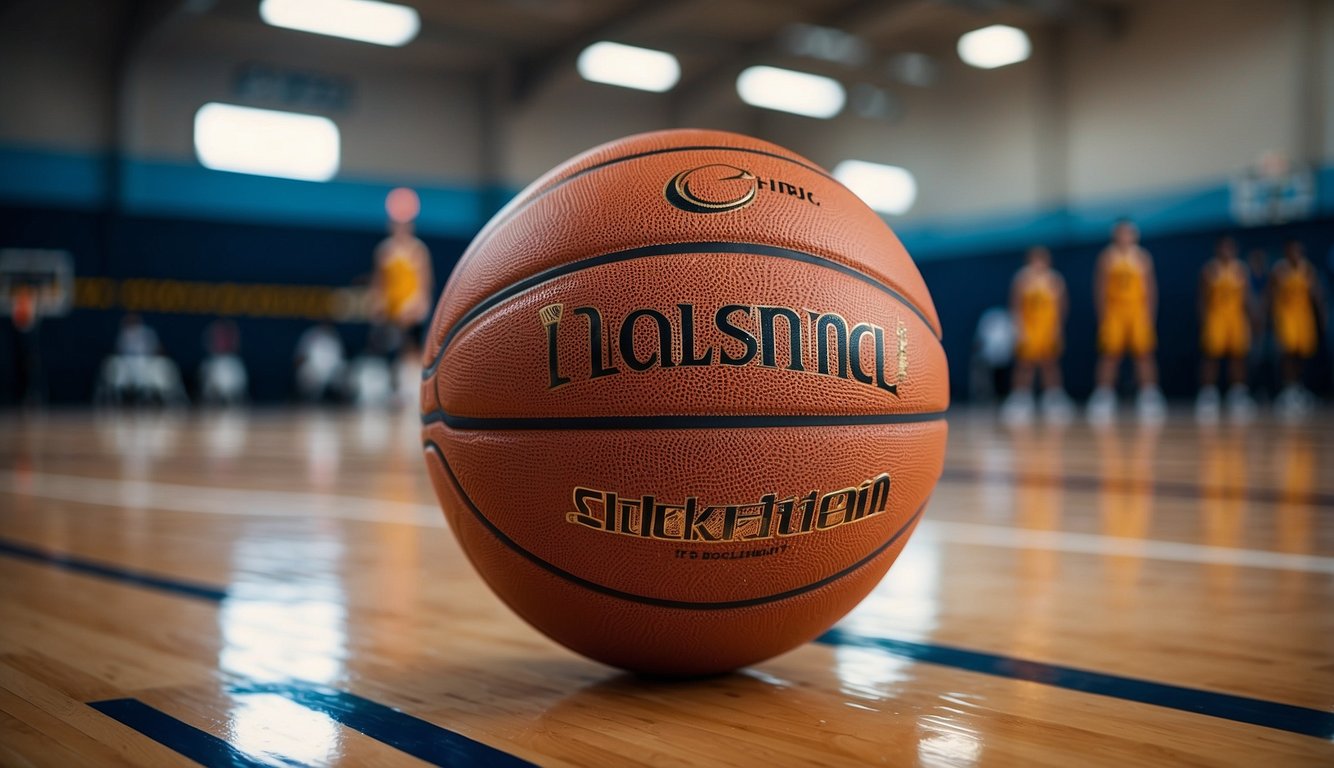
(271, 727)
(1223, 504)
(906, 602)
(1125, 505)
(285, 621)
(946, 741)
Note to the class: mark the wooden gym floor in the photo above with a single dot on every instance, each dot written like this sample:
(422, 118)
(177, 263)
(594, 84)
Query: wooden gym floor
(277, 588)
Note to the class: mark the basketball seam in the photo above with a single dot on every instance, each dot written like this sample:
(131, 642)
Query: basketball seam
(539, 194)
(658, 601)
(675, 421)
(662, 249)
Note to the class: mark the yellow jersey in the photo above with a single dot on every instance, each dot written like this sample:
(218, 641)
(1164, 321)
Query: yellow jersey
(1226, 286)
(1124, 286)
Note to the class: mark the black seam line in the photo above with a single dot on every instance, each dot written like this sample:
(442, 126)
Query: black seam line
(663, 249)
(539, 194)
(491, 227)
(657, 601)
(690, 421)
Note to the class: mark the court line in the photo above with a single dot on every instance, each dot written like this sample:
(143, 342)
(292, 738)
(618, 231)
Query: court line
(114, 572)
(420, 738)
(981, 534)
(1162, 489)
(1243, 709)
(200, 746)
(194, 499)
(1287, 717)
(211, 500)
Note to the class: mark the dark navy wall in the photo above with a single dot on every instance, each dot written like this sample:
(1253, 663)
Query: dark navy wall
(127, 246)
(965, 287)
(121, 247)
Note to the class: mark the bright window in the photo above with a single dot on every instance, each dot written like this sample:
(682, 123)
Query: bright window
(369, 21)
(629, 66)
(886, 188)
(994, 46)
(800, 93)
(266, 142)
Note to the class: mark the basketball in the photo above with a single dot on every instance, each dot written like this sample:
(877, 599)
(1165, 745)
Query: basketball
(683, 402)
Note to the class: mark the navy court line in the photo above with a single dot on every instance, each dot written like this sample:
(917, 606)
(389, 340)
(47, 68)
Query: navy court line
(200, 746)
(1242, 709)
(396, 728)
(113, 572)
(1286, 717)
(1164, 489)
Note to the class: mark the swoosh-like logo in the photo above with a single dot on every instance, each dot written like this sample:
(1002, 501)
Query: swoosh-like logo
(714, 188)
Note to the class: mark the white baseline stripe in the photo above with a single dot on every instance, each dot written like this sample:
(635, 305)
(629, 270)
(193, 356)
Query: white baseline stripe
(140, 494)
(210, 500)
(1116, 546)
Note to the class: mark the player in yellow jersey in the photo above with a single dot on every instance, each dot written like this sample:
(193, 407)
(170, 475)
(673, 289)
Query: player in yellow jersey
(1038, 304)
(402, 287)
(1226, 308)
(1294, 301)
(1126, 297)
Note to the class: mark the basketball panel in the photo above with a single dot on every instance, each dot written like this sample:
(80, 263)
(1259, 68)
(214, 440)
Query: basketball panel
(731, 333)
(695, 516)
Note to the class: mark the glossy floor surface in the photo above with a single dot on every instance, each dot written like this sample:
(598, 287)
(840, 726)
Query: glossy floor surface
(278, 588)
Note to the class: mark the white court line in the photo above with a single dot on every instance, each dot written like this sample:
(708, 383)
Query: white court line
(143, 494)
(1118, 546)
(210, 500)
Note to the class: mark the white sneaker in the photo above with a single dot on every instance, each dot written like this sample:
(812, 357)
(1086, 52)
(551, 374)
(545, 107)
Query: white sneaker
(1290, 404)
(1056, 406)
(1018, 408)
(1208, 406)
(1151, 404)
(1240, 404)
(1101, 407)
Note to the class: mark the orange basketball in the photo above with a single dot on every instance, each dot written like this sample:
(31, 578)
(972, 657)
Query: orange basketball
(683, 401)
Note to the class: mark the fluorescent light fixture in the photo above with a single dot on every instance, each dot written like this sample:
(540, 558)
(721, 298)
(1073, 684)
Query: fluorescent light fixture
(266, 142)
(629, 66)
(369, 21)
(994, 46)
(886, 188)
(800, 93)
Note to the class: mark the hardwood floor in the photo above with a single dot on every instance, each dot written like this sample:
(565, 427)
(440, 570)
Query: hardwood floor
(278, 588)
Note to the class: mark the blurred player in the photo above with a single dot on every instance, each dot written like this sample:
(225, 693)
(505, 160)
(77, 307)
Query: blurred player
(1294, 301)
(27, 348)
(402, 287)
(1126, 297)
(993, 355)
(1261, 374)
(1038, 304)
(1225, 331)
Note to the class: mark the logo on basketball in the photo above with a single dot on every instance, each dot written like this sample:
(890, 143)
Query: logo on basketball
(719, 188)
(715, 188)
(820, 343)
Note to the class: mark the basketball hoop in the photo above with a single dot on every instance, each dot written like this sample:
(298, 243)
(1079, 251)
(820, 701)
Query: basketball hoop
(1272, 191)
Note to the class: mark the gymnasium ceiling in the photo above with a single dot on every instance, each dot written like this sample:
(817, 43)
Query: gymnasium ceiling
(533, 38)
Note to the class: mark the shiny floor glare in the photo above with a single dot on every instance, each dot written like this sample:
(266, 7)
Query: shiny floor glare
(278, 587)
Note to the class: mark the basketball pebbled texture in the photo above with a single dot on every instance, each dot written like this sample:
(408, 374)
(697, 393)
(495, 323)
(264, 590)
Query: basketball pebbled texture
(702, 325)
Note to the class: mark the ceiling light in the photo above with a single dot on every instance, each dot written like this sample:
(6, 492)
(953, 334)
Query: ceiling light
(266, 142)
(629, 66)
(886, 188)
(370, 21)
(994, 46)
(800, 93)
